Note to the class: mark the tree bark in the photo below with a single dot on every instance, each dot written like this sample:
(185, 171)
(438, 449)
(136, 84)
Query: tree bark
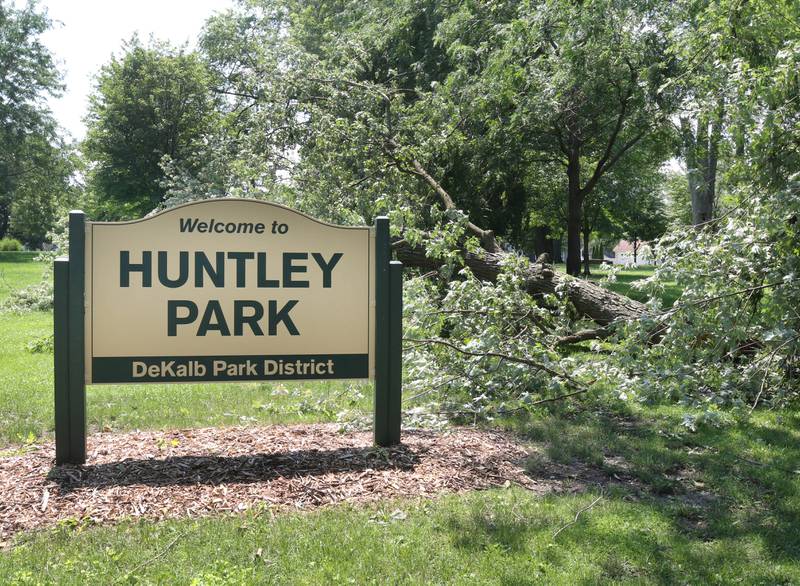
(557, 257)
(586, 252)
(591, 300)
(574, 214)
(5, 215)
(701, 153)
(541, 242)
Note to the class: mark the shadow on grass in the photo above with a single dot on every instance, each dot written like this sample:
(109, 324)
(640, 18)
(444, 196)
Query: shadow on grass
(182, 470)
(482, 527)
(18, 257)
(737, 483)
(720, 505)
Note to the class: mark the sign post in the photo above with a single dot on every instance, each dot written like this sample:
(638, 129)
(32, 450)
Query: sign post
(68, 346)
(225, 290)
(388, 338)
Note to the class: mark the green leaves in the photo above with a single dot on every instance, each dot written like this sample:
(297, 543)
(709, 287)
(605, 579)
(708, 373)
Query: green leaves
(32, 169)
(152, 104)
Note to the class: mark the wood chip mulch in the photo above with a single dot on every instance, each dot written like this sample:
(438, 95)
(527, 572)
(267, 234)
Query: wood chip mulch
(189, 473)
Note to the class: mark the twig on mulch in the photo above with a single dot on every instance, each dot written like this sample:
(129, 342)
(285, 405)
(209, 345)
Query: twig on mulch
(578, 514)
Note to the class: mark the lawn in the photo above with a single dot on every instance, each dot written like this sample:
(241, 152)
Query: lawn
(17, 270)
(718, 505)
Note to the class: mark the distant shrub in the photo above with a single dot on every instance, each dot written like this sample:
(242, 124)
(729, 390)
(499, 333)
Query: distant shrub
(10, 245)
(34, 298)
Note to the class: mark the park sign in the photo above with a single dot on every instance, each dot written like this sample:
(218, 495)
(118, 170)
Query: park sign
(227, 290)
(224, 290)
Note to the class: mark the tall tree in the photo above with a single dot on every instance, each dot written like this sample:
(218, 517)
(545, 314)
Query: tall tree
(700, 147)
(571, 98)
(725, 50)
(45, 188)
(151, 104)
(27, 76)
(701, 89)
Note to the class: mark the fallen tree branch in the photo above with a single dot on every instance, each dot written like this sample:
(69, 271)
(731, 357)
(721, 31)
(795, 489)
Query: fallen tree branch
(543, 401)
(588, 298)
(509, 357)
(160, 554)
(487, 239)
(583, 335)
(713, 298)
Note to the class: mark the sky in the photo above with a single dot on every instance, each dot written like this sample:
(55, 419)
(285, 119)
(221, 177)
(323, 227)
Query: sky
(87, 32)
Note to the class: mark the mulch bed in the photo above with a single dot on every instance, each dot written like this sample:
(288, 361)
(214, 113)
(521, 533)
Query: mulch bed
(196, 472)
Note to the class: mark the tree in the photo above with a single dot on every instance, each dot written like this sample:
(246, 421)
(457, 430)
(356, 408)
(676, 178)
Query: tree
(353, 139)
(717, 46)
(595, 219)
(642, 218)
(633, 198)
(152, 103)
(476, 95)
(27, 75)
(701, 92)
(359, 114)
(700, 144)
(574, 101)
(45, 190)
(676, 197)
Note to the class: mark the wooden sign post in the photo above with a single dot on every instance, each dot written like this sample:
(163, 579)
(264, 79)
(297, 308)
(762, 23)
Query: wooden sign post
(225, 290)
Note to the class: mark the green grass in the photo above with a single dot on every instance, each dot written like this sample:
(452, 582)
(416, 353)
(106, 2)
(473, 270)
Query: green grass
(715, 506)
(718, 506)
(22, 256)
(26, 399)
(18, 273)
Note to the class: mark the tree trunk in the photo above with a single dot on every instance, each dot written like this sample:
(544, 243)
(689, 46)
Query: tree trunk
(6, 187)
(635, 252)
(557, 258)
(574, 242)
(702, 205)
(592, 300)
(541, 243)
(710, 180)
(574, 214)
(5, 216)
(586, 252)
(701, 153)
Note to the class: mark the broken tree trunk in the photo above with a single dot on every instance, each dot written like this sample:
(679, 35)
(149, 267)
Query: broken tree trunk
(592, 300)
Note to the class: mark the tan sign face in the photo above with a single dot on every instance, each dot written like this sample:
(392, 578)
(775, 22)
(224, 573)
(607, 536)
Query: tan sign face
(228, 289)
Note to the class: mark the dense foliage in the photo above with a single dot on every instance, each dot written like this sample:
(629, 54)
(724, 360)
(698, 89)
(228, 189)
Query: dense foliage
(150, 104)
(35, 164)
